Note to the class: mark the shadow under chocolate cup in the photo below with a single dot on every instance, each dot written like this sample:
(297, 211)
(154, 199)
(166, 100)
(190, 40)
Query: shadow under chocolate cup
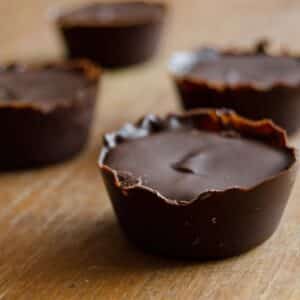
(253, 83)
(114, 34)
(46, 111)
(165, 178)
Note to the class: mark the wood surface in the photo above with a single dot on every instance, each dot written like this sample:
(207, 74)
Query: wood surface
(58, 236)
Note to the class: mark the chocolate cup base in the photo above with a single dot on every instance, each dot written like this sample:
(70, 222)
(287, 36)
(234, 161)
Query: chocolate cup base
(188, 255)
(34, 139)
(224, 225)
(280, 104)
(113, 47)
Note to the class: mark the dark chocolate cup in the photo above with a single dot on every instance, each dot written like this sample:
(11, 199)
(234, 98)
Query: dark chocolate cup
(279, 102)
(113, 45)
(215, 225)
(37, 133)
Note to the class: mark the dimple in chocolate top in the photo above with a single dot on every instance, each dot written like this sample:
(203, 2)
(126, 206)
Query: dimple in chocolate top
(184, 163)
(117, 13)
(43, 84)
(234, 69)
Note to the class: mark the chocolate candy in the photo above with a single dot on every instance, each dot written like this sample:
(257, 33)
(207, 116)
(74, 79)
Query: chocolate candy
(253, 83)
(113, 34)
(45, 111)
(206, 184)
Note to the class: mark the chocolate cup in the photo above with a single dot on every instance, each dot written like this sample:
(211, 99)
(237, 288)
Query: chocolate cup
(215, 225)
(115, 45)
(37, 133)
(279, 102)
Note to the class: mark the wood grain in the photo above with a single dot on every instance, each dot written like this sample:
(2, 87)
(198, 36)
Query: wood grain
(58, 235)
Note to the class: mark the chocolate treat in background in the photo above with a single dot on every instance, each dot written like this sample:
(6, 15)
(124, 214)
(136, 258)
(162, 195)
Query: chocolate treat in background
(113, 34)
(206, 184)
(45, 111)
(254, 83)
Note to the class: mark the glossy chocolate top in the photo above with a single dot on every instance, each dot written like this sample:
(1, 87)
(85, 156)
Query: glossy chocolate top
(41, 84)
(235, 69)
(111, 14)
(183, 163)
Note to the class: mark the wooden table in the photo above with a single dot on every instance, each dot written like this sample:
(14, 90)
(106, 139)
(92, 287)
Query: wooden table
(58, 236)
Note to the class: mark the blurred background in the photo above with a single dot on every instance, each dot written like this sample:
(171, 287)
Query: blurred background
(26, 29)
(27, 32)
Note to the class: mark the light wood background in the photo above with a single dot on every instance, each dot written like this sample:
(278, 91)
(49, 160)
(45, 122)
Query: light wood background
(58, 235)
